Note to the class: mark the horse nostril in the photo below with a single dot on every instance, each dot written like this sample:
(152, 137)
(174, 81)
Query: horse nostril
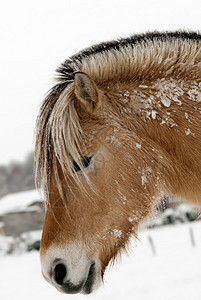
(60, 273)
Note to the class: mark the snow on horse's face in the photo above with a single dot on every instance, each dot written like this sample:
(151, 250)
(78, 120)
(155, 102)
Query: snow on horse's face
(108, 145)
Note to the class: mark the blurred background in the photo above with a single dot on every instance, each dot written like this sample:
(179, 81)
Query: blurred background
(36, 36)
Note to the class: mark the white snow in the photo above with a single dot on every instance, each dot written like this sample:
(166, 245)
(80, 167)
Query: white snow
(166, 101)
(117, 233)
(144, 179)
(18, 201)
(153, 114)
(143, 86)
(198, 97)
(187, 131)
(174, 272)
(138, 145)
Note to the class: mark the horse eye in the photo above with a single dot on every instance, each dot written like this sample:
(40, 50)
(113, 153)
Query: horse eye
(86, 160)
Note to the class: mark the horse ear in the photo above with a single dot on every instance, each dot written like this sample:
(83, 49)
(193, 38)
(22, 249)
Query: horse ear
(86, 92)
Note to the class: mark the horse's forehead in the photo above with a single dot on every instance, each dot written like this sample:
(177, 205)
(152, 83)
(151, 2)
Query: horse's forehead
(96, 131)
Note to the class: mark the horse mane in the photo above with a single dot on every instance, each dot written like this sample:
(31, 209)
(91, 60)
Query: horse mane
(134, 57)
(138, 58)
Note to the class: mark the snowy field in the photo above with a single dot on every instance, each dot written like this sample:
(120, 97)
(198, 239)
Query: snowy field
(173, 272)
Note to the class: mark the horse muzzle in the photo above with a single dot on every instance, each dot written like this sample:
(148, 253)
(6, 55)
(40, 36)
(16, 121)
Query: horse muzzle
(71, 271)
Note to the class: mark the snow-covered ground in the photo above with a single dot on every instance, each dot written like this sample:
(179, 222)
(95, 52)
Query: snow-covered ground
(173, 272)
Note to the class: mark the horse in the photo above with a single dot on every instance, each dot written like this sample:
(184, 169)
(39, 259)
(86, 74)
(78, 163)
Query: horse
(120, 128)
